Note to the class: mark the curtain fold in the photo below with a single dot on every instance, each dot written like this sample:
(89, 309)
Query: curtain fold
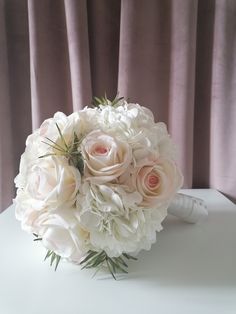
(78, 49)
(222, 165)
(6, 151)
(104, 28)
(203, 87)
(175, 57)
(49, 60)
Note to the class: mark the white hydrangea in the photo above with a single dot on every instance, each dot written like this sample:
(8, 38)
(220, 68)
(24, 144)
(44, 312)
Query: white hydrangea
(118, 201)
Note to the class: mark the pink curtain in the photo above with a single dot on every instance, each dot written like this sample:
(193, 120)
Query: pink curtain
(175, 56)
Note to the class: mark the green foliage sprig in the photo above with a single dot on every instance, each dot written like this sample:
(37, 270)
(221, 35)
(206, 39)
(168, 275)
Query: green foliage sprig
(97, 260)
(70, 150)
(104, 101)
(54, 258)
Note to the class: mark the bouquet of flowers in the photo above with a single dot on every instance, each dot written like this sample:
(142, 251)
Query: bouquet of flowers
(95, 186)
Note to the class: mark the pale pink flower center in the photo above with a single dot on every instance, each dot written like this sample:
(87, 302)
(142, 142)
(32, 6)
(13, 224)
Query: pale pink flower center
(100, 150)
(153, 181)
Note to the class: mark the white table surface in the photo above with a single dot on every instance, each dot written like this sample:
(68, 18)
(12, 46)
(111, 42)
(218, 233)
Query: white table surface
(191, 269)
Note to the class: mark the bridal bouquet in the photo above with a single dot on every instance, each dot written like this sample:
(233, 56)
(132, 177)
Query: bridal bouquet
(95, 186)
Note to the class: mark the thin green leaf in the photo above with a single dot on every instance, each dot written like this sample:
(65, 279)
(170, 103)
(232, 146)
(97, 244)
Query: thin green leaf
(46, 155)
(58, 258)
(116, 101)
(53, 256)
(62, 137)
(110, 268)
(91, 254)
(92, 260)
(48, 254)
(118, 266)
(97, 270)
(129, 256)
(54, 147)
(55, 143)
(95, 261)
(38, 239)
(98, 100)
(121, 261)
(75, 153)
(113, 265)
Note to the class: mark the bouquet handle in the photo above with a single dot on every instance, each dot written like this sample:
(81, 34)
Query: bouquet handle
(188, 208)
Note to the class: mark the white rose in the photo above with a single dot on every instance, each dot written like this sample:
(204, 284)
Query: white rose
(59, 229)
(46, 206)
(48, 127)
(51, 184)
(68, 125)
(61, 233)
(40, 142)
(25, 212)
(105, 157)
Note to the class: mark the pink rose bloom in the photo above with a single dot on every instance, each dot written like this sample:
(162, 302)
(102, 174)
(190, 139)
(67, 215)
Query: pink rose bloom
(157, 182)
(106, 157)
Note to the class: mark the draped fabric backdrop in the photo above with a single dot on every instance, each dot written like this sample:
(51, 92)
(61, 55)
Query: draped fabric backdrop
(175, 56)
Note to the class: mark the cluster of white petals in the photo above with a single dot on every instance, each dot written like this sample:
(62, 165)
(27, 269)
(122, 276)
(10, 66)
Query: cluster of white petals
(119, 200)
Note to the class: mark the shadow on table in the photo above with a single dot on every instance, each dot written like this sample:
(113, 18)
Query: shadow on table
(203, 254)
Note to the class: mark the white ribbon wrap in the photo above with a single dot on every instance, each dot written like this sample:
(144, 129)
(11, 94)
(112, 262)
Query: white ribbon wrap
(188, 208)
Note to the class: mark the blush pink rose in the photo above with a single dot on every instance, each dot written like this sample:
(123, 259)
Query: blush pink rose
(157, 182)
(106, 157)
